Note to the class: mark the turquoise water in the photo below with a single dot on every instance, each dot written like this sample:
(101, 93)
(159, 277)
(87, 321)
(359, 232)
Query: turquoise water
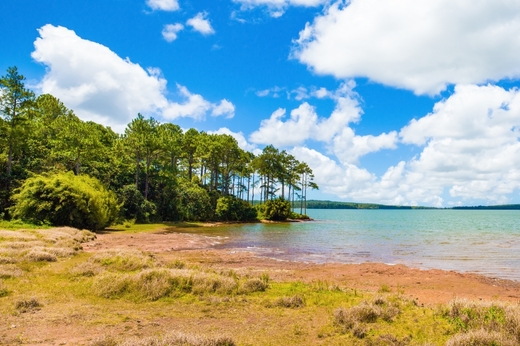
(484, 242)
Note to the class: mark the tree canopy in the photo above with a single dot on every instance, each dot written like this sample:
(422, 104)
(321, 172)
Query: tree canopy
(156, 170)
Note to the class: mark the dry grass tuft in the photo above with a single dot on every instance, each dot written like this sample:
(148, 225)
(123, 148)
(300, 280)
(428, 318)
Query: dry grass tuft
(16, 235)
(22, 244)
(111, 285)
(87, 269)
(28, 305)
(213, 283)
(481, 337)
(356, 318)
(40, 256)
(484, 320)
(177, 339)
(3, 289)
(9, 271)
(293, 302)
(153, 284)
(124, 260)
(253, 285)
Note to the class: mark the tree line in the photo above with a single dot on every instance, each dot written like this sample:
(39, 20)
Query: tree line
(156, 170)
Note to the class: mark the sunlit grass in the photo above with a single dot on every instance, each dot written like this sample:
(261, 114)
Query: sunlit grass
(18, 224)
(129, 227)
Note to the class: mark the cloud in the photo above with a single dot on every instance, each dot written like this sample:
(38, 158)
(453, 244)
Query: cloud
(100, 86)
(422, 46)
(163, 5)
(201, 24)
(469, 151)
(276, 8)
(170, 31)
(224, 108)
(471, 141)
(196, 107)
(304, 124)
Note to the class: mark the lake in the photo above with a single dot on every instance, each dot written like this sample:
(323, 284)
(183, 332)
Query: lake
(486, 242)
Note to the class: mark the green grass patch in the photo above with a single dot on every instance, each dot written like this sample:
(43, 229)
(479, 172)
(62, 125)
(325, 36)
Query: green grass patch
(129, 227)
(19, 224)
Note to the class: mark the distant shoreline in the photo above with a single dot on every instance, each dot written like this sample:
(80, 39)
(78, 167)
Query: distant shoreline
(316, 204)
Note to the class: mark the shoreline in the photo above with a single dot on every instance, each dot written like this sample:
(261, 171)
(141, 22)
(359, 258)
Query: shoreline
(426, 286)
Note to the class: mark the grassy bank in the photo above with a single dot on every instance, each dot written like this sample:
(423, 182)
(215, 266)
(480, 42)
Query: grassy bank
(52, 292)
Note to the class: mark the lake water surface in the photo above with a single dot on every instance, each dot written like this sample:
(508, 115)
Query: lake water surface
(484, 241)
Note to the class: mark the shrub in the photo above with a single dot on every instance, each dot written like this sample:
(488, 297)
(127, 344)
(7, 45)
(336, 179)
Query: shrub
(194, 202)
(134, 206)
(230, 208)
(65, 199)
(277, 209)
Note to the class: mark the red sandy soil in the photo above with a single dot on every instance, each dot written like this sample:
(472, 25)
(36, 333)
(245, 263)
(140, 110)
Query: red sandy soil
(428, 287)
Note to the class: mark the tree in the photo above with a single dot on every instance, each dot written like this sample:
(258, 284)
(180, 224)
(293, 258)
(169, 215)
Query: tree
(15, 100)
(142, 139)
(65, 199)
(230, 208)
(277, 209)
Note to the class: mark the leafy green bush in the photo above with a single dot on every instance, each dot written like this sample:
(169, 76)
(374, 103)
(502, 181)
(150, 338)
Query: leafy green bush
(230, 208)
(277, 209)
(134, 206)
(194, 202)
(65, 199)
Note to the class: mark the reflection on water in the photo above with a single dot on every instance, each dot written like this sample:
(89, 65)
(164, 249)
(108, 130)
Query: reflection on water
(485, 242)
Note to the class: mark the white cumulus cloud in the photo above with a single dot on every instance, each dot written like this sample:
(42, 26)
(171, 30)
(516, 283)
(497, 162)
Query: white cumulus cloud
(101, 86)
(422, 46)
(170, 31)
(163, 5)
(201, 24)
(469, 151)
(303, 123)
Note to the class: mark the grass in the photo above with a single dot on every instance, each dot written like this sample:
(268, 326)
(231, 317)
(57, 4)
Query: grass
(129, 227)
(128, 297)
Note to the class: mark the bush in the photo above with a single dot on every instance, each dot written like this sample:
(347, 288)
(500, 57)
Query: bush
(194, 202)
(134, 206)
(65, 199)
(230, 208)
(277, 209)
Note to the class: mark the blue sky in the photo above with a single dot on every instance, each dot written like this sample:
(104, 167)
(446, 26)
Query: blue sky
(395, 102)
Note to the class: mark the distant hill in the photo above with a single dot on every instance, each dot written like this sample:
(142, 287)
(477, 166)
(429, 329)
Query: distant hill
(491, 207)
(315, 204)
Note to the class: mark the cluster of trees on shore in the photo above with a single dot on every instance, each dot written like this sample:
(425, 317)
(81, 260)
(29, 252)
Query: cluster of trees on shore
(156, 171)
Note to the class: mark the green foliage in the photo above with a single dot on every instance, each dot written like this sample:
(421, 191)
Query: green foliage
(230, 208)
(42, 136)
(134, 206)
(194, 202)
(277, 209)
(65, 199)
